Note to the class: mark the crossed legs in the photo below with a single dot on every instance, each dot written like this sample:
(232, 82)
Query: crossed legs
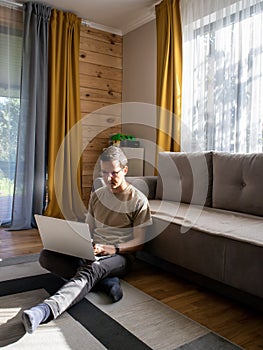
(82, 276)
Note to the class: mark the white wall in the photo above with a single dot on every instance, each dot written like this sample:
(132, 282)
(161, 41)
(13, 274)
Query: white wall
(139, 86)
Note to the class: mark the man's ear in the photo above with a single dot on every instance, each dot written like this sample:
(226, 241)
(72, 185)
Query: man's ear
(125, 169)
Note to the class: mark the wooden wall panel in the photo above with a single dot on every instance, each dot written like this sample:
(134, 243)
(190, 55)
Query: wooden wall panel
(98, 71)
(99, 82)
(101, 36)
(98, 95)
(100, 86)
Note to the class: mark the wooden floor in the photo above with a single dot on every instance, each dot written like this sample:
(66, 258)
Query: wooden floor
(237, 323)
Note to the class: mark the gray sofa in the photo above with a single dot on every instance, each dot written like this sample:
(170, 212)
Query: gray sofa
(207, 211)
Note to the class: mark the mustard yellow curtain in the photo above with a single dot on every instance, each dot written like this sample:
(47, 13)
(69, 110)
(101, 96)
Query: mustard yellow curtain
(169, 75)
(64, 169)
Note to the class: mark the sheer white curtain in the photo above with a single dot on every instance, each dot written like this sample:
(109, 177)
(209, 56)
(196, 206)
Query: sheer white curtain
(222, 75)
(11, 36)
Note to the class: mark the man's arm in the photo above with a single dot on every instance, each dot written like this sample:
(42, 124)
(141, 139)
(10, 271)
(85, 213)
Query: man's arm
(131, 246)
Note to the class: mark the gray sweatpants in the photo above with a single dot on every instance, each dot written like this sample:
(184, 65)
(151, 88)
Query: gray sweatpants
(82, 274)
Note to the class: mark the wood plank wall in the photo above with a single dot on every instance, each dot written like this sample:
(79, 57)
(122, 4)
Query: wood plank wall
(100, 86)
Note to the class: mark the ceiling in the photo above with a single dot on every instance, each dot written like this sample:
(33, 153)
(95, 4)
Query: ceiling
(116, 16)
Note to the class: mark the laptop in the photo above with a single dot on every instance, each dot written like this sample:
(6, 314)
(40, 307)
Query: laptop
(67, 237)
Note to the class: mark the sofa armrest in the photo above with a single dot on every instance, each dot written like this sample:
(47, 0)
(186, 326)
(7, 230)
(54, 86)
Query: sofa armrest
(146, 184)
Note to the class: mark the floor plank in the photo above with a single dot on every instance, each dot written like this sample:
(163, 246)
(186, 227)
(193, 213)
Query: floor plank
(231, 320)
(15, 243)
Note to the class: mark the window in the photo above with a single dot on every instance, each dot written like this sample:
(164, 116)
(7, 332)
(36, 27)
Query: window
(222, 75)
(11, 30)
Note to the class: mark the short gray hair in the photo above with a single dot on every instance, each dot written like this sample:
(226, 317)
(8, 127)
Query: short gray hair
(114, 153)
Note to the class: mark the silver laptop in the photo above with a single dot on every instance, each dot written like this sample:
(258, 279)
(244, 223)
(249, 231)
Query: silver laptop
(67, 237)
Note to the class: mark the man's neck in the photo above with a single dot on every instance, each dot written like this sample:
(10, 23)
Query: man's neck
(120, 188)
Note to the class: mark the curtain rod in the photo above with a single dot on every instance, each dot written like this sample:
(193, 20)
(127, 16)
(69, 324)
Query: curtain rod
(12, 3)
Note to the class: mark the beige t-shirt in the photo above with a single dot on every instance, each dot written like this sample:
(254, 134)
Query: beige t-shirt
(115, 214)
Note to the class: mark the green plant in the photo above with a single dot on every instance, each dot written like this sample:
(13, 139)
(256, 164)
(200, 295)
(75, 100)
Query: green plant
(121, 137)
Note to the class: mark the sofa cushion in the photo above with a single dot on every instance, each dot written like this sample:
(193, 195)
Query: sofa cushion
(216, 222)
(237, 182)
(185, 177)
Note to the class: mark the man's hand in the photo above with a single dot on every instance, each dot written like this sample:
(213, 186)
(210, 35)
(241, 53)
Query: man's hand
(101, 249)
(131, 246)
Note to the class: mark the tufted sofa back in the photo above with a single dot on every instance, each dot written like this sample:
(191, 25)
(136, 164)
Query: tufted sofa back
(230, 181)
(238, 182)
(222, 180)
(185, 177)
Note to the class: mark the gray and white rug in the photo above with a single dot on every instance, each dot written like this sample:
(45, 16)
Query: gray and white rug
(138, 321)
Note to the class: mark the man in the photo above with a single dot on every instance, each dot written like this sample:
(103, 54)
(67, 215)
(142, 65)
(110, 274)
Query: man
(118, 214)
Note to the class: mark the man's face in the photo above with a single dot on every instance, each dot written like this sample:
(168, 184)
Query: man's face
(114, 175)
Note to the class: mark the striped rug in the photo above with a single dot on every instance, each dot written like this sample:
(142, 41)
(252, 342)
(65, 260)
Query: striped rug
(136, 322)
